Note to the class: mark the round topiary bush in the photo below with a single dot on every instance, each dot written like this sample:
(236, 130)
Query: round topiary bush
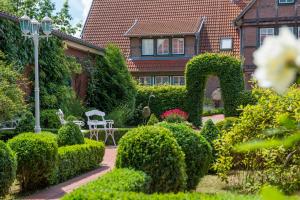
(210, 131)
(8, 167)
(36, 157)
(69, 134)
(198, 152)
(154, 150)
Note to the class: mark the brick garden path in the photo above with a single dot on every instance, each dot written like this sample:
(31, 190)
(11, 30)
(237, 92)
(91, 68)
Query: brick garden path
(57, 191)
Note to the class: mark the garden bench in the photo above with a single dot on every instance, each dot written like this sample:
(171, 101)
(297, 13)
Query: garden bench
(9, 125)
(62, 120)
(100, 124)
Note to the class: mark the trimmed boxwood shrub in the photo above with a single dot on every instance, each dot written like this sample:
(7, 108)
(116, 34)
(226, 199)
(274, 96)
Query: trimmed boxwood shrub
(8, 167)
(152, 120)
(198, 153)
(69, 134)
(230, 73)
(210, 131)
(125, 183)
(117, 180)
(154, 150)
(227, 123)
(36, 158)
(166, 97)
(49, 119)
(77, 159)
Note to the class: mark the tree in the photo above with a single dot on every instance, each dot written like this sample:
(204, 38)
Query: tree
(11, 96)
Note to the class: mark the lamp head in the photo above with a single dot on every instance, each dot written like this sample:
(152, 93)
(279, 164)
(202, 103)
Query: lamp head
(47, 25)
(25, 24)
(35, 26)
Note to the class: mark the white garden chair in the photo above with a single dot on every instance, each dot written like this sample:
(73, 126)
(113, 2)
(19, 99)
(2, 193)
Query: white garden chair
(96, 125)
(9, 125)
(62, 120)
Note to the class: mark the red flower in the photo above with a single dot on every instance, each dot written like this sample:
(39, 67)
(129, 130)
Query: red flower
(176, 111)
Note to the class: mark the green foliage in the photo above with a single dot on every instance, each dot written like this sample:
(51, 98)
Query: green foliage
(227, 123)
(246, 98)
(278, 165)
(152, 120)
(8, 167)
(77, 159)
(229, 71)
(198, 152)
(166, 97)
(174, 119)
(111, 84)
(49, 119)
(129, 184)
(11, 96)
(215, 111)
(210, 132)
(119, 180)
(26, 123)
(155, 151)
(69, 134)
(36, 158)
(120, 115)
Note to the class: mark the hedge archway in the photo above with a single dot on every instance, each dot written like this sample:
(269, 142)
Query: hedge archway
(230, 73)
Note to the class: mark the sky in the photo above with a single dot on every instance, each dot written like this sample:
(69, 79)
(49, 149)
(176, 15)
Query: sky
(79, 9)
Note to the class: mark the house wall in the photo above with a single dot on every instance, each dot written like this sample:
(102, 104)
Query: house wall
(264, 13)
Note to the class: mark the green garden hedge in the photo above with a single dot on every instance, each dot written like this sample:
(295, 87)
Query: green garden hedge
(77, 159)
(230, 73)
(132, 185)
(166, 97)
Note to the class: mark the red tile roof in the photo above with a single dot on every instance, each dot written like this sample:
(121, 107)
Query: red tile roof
(165, 28)
(109, 20)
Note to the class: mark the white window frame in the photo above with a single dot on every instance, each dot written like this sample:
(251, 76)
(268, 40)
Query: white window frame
(165, 52)
(265, 32)
(179, 81)
(222, 47)
(143, 47)
(286, 1)
(161, 81)
(179, 48)
(148, 80)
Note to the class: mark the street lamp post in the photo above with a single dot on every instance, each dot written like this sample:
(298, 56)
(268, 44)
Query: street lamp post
(30, 29)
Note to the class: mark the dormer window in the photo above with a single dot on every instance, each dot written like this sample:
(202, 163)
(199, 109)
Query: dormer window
(163, 46)
(147, 47)
(286, 1)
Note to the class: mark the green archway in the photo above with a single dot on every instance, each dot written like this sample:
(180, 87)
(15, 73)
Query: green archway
(230, 73)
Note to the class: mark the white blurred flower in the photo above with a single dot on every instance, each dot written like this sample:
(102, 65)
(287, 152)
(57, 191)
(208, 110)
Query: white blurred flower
(278, 61)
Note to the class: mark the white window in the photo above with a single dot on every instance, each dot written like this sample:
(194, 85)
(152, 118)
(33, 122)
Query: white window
(163, 46)
(226, 44)
(286, 1)
(178, 80)
(145, 80)
(161, 80)
(265, 32)
(178, 45)
(147, 47)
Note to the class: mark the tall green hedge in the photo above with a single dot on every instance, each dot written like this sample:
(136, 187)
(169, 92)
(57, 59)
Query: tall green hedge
(230, 73)
(166, 97)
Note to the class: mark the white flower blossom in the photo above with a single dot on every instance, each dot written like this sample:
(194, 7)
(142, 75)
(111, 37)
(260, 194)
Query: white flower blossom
(278, 61)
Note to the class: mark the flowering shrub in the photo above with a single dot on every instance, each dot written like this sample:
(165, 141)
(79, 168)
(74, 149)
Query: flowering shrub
(174, 115)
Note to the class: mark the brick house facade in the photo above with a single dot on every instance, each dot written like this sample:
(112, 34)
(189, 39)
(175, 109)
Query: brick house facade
(201, 26)
(262, 18)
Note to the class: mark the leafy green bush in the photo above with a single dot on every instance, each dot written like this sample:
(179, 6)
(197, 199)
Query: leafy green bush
(152, 120)
(277, 166)
(129, 184)
(166, 97)
(226, 124)
(198, 153)
(8, 167)
(49, 119)
(26, 123)
(155, 151)
(230, 73)
(36, 158)
(76, 159)
(120, 115)
(111, 85)
(210, 132)
(69, 134)
(246, 98)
